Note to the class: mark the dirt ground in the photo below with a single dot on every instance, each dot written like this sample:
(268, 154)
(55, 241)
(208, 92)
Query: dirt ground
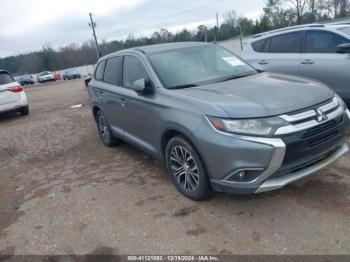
(63, 192)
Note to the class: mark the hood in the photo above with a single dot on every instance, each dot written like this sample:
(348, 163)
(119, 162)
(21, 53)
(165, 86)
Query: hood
(261, 95)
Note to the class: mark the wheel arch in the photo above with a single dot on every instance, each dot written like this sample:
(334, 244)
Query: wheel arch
(172, 132)
(95, 109)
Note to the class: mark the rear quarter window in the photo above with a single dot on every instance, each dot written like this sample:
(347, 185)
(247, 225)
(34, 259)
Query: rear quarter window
(5, 78)
(100, 70)
(260, 46)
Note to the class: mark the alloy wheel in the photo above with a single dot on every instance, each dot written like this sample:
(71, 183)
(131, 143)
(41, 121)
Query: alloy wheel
(184, 168)
(103, 128)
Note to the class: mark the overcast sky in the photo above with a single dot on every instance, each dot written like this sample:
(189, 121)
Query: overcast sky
(28, 25)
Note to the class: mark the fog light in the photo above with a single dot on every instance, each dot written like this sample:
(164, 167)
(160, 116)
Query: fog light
(244, 175)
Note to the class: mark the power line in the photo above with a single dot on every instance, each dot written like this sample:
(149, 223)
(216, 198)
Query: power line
(153, 22)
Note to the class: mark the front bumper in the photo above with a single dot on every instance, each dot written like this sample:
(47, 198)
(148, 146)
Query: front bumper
(290, 159)
(279, 182)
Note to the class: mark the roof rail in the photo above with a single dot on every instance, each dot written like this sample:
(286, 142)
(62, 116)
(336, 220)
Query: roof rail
(341, 23)
(288, 28)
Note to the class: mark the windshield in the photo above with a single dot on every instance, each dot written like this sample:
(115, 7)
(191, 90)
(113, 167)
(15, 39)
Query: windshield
(193, 66)
(345, 30)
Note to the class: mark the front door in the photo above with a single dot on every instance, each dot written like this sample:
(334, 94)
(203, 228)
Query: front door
(139, 112)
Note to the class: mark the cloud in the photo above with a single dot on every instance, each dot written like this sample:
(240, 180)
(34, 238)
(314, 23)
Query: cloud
(30, 24)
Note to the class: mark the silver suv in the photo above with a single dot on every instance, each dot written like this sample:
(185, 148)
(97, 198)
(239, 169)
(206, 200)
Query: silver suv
(315, 51)
(214, 120)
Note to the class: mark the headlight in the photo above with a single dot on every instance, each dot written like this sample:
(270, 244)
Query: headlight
(259, 126)
(341, 102)
(343, 105)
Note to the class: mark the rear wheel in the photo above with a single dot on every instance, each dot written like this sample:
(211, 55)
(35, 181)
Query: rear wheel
(187, 170)
(104, 131)
(24, 111)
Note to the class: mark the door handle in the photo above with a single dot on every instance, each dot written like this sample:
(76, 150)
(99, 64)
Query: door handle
(122, 101)
(307, 62)
(100, 94)
(263, 62)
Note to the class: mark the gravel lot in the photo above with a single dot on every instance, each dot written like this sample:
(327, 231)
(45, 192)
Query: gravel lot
(63, 192)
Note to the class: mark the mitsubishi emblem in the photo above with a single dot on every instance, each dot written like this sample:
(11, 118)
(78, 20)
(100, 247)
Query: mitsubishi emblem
(321, 116)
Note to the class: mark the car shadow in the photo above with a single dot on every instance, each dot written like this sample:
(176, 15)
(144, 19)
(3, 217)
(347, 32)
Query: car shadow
(325, 191)
(8, 116)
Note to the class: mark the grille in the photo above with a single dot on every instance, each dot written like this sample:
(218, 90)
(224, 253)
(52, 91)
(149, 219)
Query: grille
(319, 129)
(312, 135)
(306, 147)
(312, 119)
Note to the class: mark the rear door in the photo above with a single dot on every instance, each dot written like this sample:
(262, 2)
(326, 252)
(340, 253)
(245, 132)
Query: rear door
(6, 82)
(320, 61)
(280, 54)
(111, 91)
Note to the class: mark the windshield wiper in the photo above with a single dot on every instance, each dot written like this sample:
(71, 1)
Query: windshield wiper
(182, 86)
(231, 78)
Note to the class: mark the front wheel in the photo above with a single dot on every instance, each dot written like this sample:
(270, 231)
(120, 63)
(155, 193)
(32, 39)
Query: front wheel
(187, 170)
(104, 131)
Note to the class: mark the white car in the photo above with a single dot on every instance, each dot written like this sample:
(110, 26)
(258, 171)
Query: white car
(315, 51)
(46, 76)
(12, 95)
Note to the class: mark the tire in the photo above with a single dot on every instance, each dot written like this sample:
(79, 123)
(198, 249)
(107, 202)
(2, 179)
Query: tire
(187, 170)
(24, 111)
(104, 131)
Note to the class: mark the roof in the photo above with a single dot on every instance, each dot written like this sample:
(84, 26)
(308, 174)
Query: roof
(169, 46)
(159, 47)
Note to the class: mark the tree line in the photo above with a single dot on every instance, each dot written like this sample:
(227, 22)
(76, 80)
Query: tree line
(276, 14)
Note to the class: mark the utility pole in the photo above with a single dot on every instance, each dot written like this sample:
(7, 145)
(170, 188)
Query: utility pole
(241, 34)
(92, 24)
(217, 28)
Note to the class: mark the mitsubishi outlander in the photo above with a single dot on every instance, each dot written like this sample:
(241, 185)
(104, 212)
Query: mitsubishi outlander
(216, 122)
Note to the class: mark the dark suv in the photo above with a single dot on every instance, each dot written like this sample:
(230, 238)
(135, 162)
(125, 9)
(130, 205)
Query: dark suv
(214, 120)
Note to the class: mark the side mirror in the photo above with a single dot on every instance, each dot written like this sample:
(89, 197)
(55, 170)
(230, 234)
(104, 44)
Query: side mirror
(143, 86)
(343, 48)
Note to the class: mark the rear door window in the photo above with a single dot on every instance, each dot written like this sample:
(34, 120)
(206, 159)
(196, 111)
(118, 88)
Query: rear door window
(113, 70)
(5, 78)
(323, 42)
(99, 70)
(285, 43)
